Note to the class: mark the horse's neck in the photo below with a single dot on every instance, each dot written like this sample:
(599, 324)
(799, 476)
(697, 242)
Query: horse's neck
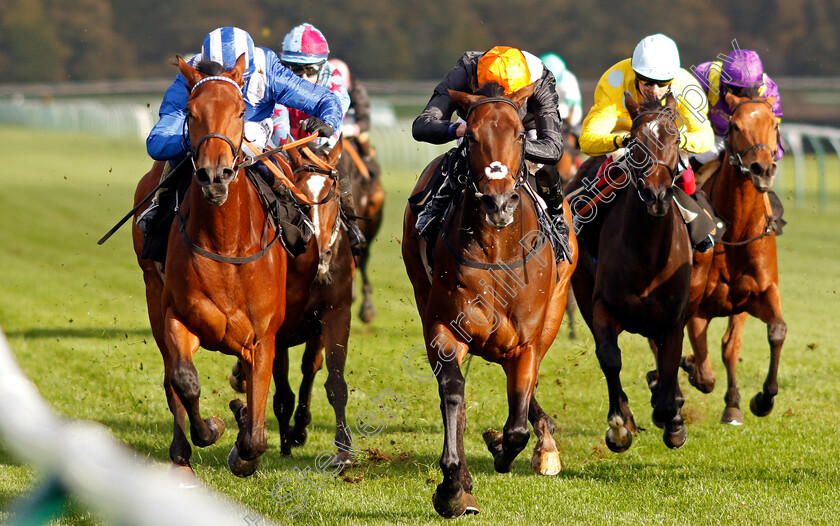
(478, 241)
(228, 227)
(644, 234)
(736, 199)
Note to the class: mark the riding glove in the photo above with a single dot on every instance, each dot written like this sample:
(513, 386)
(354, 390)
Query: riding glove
(316, 125)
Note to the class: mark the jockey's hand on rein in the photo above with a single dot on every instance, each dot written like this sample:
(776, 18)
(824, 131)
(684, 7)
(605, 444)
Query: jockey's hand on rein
(316, 125)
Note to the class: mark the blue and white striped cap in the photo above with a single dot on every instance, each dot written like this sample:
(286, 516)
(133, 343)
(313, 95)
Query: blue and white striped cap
(224, 45)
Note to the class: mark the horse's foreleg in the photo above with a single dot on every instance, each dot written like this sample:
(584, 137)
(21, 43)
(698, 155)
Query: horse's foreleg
(451, 498)
(310, 364)
(622, 424)
(770, 312)
(521, 378)
(284, 397)
(252, 442)
(698, 366)
(546, 458)
(182, 344)
(669, 399)
(730, 349)
(336, 323)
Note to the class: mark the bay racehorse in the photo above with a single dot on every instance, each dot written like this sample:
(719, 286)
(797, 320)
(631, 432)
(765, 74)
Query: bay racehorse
(743, 277)
(318, 299)
(369, 200)
(494, 291)
(224, 287)
(634, 271)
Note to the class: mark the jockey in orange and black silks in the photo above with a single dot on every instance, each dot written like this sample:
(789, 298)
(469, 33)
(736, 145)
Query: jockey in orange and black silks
(740, 73)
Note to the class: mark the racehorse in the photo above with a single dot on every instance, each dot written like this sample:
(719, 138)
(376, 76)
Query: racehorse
(744, 277)
(494, 291)
(369, 199)
(318, 298)
(225, 277)
(634, 271)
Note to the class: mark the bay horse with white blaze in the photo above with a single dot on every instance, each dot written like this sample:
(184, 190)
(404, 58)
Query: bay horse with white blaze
(635, 269)
(743, 277)
(224, 287)
(494, 291)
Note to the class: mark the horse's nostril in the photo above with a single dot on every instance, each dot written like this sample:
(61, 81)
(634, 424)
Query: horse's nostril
(227, 174)
(201, 176)
(756, 168)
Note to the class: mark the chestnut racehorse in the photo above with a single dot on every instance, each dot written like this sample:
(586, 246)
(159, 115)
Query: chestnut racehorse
(744, 277)
(494, 291)
(635, 269)
(224, 286)
(318, 298)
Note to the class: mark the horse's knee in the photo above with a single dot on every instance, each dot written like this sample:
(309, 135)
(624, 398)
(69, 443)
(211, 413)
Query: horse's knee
(609, 357)
(776, 332)
(185, 382)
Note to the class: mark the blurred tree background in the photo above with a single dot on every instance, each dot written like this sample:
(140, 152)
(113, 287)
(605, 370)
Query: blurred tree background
(50, 40)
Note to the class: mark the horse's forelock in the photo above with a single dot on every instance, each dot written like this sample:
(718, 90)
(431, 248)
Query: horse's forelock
(209, 67)
(491, 89)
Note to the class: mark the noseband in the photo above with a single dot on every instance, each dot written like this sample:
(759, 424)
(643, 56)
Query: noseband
(236, 150)
(519, 177)
(736, 158)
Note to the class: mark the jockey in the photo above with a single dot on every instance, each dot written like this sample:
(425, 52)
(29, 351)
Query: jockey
(652, 72)
(512, 69)
(356, 122)
(305, 52)
(742, 74)
(267, 83)
(568, 91)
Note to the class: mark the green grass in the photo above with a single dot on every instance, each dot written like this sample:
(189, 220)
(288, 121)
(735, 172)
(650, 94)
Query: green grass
(75, 315)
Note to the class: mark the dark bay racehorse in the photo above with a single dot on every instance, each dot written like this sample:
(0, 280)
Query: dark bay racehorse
(233, 306)
(494, 291)
(744, 277)
(640, 281)
(369, 200)
(318, 298)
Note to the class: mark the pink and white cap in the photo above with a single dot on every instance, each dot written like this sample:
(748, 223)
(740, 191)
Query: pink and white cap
(304, 45)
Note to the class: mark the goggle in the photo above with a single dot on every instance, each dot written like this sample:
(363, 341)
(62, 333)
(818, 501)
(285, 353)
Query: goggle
(650, 82)
(308, 70)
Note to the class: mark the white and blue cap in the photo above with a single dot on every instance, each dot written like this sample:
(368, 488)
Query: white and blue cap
(226, 44)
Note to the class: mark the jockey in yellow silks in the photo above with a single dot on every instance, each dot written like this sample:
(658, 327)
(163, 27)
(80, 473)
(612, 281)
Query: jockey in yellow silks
(652, 72)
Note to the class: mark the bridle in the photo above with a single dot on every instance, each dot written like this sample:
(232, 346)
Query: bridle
(651, 161)
(736, 158)
(236, 150)
(519, 178)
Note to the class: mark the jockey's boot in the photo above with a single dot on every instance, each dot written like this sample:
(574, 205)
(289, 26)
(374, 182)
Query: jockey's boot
(348, 214)
(429, 219)
(550, 188)
(700, 218)
(147, 218)
(156, 220)
(289, 209)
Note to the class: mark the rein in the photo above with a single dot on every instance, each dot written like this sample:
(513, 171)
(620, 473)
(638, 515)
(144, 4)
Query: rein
(736, 157)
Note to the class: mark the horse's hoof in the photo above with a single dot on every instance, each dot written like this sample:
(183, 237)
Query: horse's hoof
(367, 313)
(344, 459)
(546, 463)
(236, 383)
(675, 435)
(238, 466)
(732, 416)
(216, 426)
(451, 509)
(618, 437)
(493, 439)
(298, 436)
(761, 405)
(185, 476)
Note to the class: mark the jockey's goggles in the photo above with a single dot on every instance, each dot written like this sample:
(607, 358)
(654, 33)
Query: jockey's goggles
(308, 70)
(650, 82)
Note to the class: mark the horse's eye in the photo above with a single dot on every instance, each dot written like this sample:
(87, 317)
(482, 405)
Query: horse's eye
(735, 127)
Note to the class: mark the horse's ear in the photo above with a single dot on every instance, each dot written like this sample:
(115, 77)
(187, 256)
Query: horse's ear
(464, 100)
(238, 70)
(332, 157)
(190, 73)
(519, 96)
(670, 100)
(771, 101)
(631, 105)
(733, 100)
